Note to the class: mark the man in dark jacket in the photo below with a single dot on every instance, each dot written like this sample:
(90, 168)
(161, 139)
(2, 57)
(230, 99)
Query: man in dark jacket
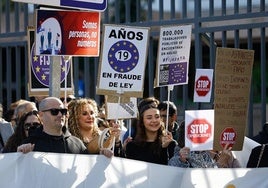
(65, 143)
(50, 137)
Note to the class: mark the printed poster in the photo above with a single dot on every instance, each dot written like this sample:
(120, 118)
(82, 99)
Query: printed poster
(39, 71)
(123, 61)
(199, 129)
(233, 74)
(73, 33)
(203, 85)
(173, 55)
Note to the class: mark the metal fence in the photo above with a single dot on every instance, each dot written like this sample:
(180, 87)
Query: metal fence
(236, 24)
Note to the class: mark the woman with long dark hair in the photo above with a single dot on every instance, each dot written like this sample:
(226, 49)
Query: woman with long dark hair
(28, 122)
(152, 143)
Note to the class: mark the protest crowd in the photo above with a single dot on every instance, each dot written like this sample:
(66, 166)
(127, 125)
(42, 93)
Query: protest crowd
(73, 128)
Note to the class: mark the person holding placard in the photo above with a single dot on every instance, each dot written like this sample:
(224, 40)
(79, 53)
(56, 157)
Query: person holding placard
(82, 123)
(151, 142)
(185, 158)
(172, 117)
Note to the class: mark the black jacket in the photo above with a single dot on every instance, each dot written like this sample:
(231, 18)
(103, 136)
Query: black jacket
(256, 155)
(65, 143)
(148, 153)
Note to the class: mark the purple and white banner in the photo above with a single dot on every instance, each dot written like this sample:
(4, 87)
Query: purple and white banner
(173, 55)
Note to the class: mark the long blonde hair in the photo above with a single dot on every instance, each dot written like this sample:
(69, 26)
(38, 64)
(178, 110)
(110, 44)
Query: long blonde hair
(75, 108)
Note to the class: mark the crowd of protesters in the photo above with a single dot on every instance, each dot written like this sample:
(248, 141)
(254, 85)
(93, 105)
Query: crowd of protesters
(80, 127)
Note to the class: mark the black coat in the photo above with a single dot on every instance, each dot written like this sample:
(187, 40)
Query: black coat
(65, 143)
(255, 155)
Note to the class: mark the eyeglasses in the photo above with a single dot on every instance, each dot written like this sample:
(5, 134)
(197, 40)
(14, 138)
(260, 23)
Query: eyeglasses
(34, 125)
(55, 111)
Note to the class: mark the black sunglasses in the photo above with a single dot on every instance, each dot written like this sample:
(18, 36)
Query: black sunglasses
(28, 126)
(55, 111)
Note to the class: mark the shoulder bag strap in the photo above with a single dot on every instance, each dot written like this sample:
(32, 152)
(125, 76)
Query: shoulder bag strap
(260, 156)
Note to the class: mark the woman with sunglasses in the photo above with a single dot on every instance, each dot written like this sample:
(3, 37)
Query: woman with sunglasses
(28, 122)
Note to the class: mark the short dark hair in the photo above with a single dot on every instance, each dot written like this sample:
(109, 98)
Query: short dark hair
(172, 107)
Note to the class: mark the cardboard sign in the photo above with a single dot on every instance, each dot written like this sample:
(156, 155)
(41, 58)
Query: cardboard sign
(39, 71)
(73, 33)
(123, 61)
(233, 73)
(123, 110)
(199, 129)
(203, 85)
(173, 55)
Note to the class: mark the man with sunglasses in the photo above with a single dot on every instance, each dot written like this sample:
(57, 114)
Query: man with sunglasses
(50, 137)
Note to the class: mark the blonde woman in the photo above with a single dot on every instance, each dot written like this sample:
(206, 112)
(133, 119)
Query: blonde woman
(82, 123)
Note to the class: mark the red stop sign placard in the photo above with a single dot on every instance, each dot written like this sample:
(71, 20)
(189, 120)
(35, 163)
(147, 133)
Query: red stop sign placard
(199, 131)
(228, 136)
(202, 86)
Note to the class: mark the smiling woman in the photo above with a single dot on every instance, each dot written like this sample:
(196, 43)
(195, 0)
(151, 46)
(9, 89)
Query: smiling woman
(151, 143)
(82, 123)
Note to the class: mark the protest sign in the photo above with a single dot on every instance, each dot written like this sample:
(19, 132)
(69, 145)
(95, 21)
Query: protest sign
(122, 110)
(94, 5)
(123, 61)
(173, 55)
(74, 33)
(199, 127)
(203, 85)
(39, 71)
(233, 73)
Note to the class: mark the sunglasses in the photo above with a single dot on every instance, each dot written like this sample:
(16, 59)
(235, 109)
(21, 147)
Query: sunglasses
(28, 126)
(55, 111)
